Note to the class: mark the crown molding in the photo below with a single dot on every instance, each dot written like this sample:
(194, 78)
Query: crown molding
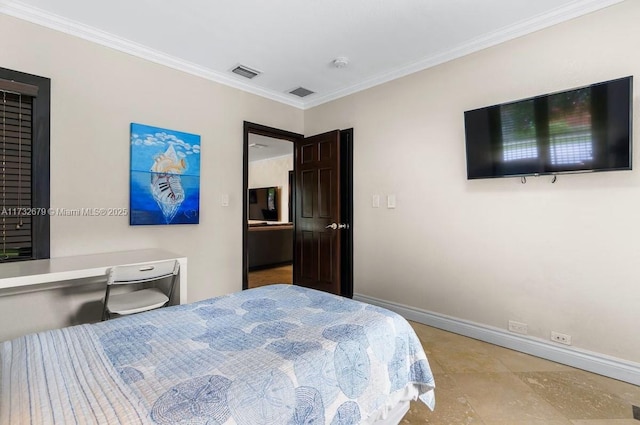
(49, 20)
(556, 16)
(40, 17)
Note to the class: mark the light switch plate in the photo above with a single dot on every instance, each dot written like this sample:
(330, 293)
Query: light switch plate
(391, 201)
(375, 201)
(224, 200)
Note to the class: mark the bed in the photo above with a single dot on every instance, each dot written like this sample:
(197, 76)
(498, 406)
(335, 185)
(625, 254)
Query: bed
(278, 354)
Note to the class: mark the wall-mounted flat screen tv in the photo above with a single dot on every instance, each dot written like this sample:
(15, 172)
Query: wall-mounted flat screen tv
(580, 130)
(263, 204)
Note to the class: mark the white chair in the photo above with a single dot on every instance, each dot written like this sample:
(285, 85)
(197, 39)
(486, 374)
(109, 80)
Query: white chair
(141, 299)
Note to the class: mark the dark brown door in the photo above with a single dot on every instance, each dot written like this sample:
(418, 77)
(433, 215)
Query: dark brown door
(318, 213)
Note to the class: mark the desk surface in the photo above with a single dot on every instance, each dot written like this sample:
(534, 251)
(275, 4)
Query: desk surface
(34, 272)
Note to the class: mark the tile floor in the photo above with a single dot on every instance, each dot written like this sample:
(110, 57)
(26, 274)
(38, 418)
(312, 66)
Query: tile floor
(483, 384)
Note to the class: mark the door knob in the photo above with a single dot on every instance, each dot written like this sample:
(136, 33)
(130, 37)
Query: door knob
(336, 226)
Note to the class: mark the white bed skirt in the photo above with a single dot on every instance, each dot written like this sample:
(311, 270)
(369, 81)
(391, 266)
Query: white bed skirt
(396, 407)
(395, 415)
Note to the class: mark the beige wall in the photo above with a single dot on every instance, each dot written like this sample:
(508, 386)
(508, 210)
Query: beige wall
(560, 256)
(96, 93)
(273, 172)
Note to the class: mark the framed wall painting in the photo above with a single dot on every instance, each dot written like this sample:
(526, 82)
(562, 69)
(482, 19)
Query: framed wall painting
(165, 176)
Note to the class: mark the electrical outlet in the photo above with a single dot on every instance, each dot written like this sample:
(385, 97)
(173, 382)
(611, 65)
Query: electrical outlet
(519, 328)
(561, 338)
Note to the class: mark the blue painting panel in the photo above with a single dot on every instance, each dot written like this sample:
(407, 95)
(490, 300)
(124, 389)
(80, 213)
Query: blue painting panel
(165, 176)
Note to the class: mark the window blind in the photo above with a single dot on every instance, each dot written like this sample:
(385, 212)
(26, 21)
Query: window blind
(570, 128)
(16, 212)
(519, 136)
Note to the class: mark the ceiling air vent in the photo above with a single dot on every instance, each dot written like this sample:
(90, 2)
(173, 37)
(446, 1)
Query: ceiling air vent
(245, 71)
(301, 92)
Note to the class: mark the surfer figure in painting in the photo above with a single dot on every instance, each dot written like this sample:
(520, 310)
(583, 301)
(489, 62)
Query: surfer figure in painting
(166, 186)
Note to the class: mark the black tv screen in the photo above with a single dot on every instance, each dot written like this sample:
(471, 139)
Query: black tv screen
(263, 204)
(580, 130)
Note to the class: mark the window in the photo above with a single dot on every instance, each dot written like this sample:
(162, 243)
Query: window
(570, 128)
(24, 166)
(567, 125)
(519, 136)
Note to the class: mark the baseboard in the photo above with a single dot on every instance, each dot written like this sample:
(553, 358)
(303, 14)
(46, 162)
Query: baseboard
(601, 364)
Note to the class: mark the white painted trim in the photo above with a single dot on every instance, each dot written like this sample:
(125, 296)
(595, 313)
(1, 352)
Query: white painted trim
(601, 364)
(520, 29)
(49, 20)
(38, 16)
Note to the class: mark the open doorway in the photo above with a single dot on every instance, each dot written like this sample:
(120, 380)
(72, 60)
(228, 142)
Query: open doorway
(270, 219)
(319, 200)
(268, 237)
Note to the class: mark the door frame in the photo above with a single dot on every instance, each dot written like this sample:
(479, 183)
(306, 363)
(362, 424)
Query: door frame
(346, 198)
(346, 212)
(262, 130)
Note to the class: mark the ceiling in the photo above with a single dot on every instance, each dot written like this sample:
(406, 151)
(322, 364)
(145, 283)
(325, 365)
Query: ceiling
(294, 42)
(263, 147)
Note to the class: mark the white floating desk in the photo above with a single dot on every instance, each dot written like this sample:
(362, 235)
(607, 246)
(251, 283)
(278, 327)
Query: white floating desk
(37, 272)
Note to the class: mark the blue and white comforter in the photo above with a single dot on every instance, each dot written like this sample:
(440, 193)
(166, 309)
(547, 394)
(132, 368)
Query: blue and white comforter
(276, 355)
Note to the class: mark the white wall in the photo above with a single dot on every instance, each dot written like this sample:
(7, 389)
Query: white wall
(273, 172)
(96, 93)
(560, 256)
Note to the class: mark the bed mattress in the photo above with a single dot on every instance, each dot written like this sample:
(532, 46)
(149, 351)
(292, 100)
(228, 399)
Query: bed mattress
(279, 354)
